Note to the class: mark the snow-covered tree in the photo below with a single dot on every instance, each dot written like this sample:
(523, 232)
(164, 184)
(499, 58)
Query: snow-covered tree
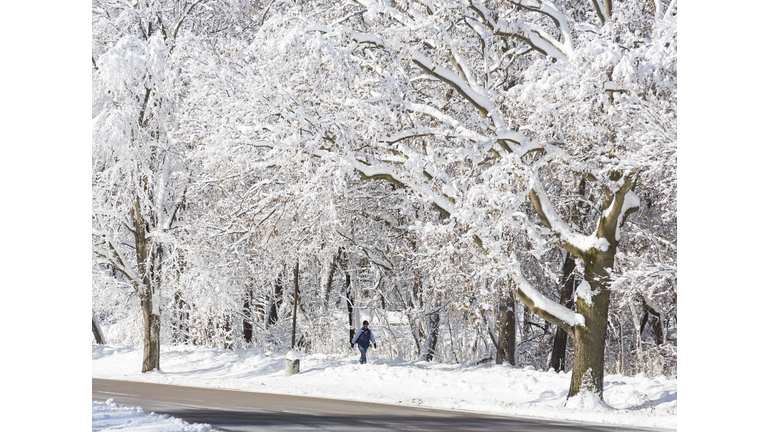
(139, 180)
(481, 146)
(429, 156)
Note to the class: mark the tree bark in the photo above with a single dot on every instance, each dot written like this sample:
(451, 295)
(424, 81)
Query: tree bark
(589, 339)
(151, 359)
(430, 343)
(295, 302)
(348, 294)
(179, 325)
(96, 328)
(507, 337)
(145, 258)
(658, 330)
(589, 343)
(350, 305)
(247, 326)
(276, 300)
(327, 283)
(567, 286)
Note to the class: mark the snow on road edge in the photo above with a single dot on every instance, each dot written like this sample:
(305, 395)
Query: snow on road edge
(110, 415)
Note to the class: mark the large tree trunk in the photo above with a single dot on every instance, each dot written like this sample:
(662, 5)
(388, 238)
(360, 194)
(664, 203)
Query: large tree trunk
(589, 341)
(507, 337)
(568, 285)
(589, 338)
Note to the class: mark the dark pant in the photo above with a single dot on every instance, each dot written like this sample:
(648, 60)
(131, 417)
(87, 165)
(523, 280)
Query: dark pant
(362, 353)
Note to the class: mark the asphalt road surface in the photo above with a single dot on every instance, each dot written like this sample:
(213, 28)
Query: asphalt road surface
(228, 410)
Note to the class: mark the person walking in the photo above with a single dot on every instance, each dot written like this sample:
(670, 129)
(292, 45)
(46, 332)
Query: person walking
(363, 337)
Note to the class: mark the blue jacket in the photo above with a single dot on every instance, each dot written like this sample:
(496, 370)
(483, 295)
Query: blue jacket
(363, 343)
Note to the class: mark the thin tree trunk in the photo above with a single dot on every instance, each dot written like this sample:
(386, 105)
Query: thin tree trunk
(96, 328)
(179, 324)
(658, 330)
(507, 337)
(295, 302)
(621, 348)
(328, 281)
(276, 300)
(247, 312)
(348, 294)
(350, 305)
(430, 340)
(434, 328)
(146, 257)
(151, 359)
(567, 286)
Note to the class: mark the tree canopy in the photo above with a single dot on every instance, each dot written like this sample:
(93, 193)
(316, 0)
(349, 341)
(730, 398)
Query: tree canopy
(418, 160)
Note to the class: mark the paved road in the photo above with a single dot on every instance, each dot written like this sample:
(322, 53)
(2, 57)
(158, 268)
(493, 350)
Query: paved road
(228, 410)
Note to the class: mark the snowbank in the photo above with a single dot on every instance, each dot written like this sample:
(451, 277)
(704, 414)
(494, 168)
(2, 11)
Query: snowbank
(110, 415)
(503, 390)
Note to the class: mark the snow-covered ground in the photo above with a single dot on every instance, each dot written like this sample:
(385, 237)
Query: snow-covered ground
(109, 416)
(506, 390)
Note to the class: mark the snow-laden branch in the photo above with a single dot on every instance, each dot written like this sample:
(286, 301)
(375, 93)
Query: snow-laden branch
(534, 36)
(374, 256)
(531, 297)
(115, 259)
(387, 172)
(586, 27)
(383, 7)
(600, 11)
(445, 118)
(466, 87)
(162, 216)
(176, 206)
(410, 133)
(359, 37)
(485, 15)
(183, 17)
(458, 60)
(478, 100)
(624, 202)
(504, 136)
(511, 52)
(550, 310)
(524, 144)
(670, 9)
(577, 244)
(558, 18)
